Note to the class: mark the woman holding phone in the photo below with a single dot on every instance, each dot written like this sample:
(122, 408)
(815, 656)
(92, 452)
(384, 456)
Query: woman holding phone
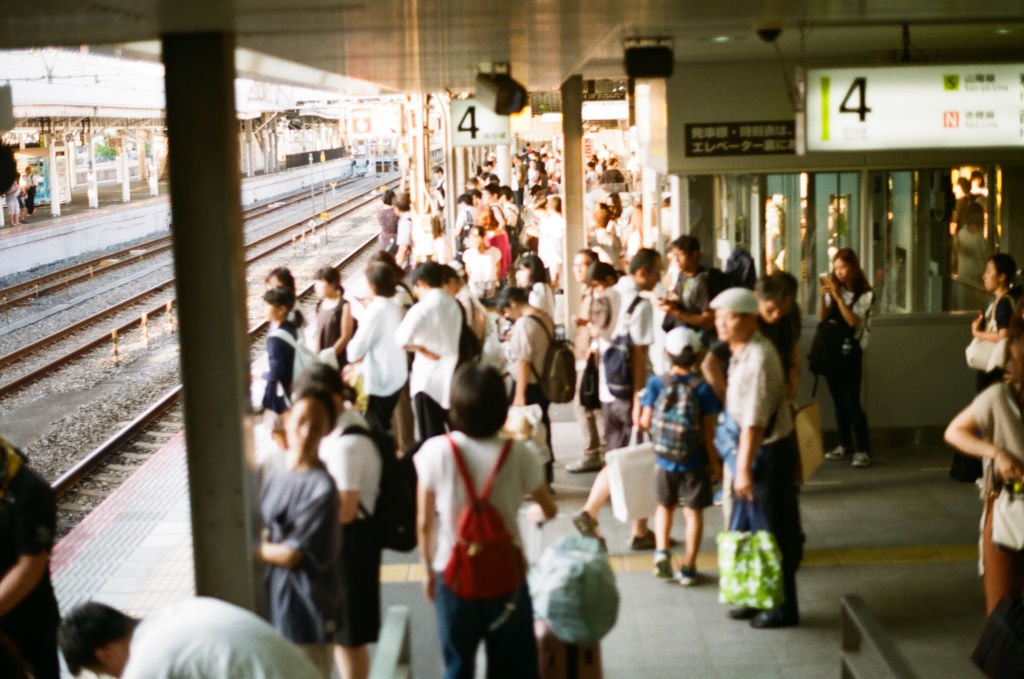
(846, 298)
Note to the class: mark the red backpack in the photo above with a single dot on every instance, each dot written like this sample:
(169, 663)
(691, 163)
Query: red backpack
(485, 563)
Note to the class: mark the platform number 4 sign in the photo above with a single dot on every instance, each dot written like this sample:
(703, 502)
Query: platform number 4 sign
(859, 90)
(476, 125)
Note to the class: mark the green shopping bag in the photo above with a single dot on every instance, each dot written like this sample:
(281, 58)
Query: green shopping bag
(749, 561)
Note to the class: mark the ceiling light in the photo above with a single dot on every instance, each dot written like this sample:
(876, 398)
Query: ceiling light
(721, 38)
(1003, 31)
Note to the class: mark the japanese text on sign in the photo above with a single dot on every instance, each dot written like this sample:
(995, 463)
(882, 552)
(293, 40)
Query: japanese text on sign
(740, 139)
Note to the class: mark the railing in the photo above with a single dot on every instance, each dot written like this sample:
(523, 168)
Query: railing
(392, 659)
(868, 650)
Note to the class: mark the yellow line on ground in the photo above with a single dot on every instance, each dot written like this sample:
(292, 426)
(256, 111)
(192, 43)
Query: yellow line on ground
(706, 561)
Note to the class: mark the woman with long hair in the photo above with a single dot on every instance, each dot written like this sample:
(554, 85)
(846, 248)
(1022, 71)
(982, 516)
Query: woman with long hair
(532, 276)
(335, 324)
(993, 325)
(285, 322)
(991, 429)
(846, 299)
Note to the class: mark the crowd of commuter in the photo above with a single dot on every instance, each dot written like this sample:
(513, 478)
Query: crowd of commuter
(431, 358)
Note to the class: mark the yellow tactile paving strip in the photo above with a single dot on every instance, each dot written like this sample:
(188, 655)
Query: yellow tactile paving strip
(859, 556)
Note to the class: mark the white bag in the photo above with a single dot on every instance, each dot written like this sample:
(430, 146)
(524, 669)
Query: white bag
(979, 354)
(1008, 520)
(631, 472)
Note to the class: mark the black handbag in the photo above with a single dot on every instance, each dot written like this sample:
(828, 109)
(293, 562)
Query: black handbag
(589, 397)
(1000, 650)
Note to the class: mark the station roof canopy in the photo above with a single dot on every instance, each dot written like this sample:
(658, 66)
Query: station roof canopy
(430, 45)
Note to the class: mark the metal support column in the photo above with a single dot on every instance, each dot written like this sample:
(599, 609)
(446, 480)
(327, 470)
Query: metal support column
(126, 175)
(92, 191)
(678, 220)
(209, 264)
(54, 178)
(503, 168)
(249, 159)
(573, 186)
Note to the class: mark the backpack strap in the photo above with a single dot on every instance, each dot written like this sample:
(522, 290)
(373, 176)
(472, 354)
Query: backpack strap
(551, 340)
(460, 464)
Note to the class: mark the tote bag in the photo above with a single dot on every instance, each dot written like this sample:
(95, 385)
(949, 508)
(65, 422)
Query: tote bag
(749, 561)
(631, 472)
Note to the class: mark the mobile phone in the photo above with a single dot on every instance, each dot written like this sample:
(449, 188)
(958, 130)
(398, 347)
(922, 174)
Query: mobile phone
(822, 276)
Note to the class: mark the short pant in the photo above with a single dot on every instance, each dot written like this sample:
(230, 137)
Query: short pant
(694, 487)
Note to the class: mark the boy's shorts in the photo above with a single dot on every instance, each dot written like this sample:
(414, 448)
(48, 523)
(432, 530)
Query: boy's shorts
(694, 487)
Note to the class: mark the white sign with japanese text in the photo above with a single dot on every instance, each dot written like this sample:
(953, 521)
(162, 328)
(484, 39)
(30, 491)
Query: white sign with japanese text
(915, 107)
(476, 125)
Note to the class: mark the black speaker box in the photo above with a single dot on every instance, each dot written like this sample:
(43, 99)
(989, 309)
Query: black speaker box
(649, 62)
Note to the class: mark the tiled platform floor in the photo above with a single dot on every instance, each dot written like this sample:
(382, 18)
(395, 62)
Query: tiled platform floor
(900, 534)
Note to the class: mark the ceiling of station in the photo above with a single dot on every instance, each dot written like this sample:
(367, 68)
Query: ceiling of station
(431, 45)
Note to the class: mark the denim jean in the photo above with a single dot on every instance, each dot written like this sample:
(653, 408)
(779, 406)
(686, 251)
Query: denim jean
(462, 624)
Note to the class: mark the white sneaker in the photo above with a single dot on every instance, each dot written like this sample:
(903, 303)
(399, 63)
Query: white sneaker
(861, 460)
(837, 453)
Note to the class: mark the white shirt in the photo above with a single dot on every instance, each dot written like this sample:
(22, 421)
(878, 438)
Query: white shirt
(385, 368)
(353, 461)
(404, 236)
(481, 267)
(639, 324)
(550, 239)
(202, 637)
(542, 297)
(433, 323)
(860, 309)
(435, 466)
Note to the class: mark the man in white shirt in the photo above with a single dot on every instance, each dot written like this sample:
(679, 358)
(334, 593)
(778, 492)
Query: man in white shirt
(198, 637)
(385, 369)
(431, 330)
(635, 318)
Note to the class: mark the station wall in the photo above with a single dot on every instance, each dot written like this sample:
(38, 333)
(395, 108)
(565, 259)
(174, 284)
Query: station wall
(915, 376)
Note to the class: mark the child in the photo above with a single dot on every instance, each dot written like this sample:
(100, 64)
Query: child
(680, 410)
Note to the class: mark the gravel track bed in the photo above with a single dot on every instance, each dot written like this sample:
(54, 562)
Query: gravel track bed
(142, 375)
(254, 229)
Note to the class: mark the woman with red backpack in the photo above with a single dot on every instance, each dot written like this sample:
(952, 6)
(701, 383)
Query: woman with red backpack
(471, 485)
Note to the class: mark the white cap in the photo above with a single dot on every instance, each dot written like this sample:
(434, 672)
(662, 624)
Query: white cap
(679, 338)
(737, 300)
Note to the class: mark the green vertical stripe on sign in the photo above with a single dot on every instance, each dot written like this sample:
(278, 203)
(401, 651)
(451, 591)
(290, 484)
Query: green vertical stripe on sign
(825, 82)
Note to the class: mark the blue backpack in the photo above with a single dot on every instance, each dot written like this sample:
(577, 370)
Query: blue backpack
(675, 424)
(618, 360)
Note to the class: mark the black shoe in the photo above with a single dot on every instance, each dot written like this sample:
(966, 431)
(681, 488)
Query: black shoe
(743, 613)
(774, 619)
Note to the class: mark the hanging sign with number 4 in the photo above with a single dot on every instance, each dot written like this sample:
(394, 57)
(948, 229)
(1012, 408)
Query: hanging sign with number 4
(915, 107)
(473, 124)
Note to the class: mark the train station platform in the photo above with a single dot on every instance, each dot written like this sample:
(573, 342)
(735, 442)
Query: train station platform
(79, 229)
(899, 534)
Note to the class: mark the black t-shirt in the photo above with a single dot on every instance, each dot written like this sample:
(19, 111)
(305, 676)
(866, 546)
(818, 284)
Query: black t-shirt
(28, 519)
(612, 176)
(783, 335)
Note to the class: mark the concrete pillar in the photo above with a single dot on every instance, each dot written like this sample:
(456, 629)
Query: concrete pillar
(651, 201)
(679, 220)
(250, 170)
(154, 168)
(210, 268)
(126, 176)
(140, 143)
(573, 180)
(503, 168)
(92, 190)
(71, 148)
(53, 177)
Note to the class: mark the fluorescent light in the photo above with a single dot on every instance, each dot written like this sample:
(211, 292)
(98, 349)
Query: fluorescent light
(1003, 31)
(721, 38)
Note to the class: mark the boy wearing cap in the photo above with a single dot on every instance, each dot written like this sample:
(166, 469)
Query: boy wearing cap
(685, 473)
(756, 399)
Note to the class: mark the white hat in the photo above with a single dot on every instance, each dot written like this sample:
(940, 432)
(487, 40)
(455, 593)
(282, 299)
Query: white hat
(737, 300)
(679, 338)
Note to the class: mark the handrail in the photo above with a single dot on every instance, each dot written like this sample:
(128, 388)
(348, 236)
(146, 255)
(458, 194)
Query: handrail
(868, 650)
(392, 659)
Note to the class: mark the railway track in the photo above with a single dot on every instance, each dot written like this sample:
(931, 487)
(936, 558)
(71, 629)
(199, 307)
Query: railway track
(276, 241)
(57, 281)
(110, 463)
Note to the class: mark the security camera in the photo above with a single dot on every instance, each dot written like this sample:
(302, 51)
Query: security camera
(768, 33)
